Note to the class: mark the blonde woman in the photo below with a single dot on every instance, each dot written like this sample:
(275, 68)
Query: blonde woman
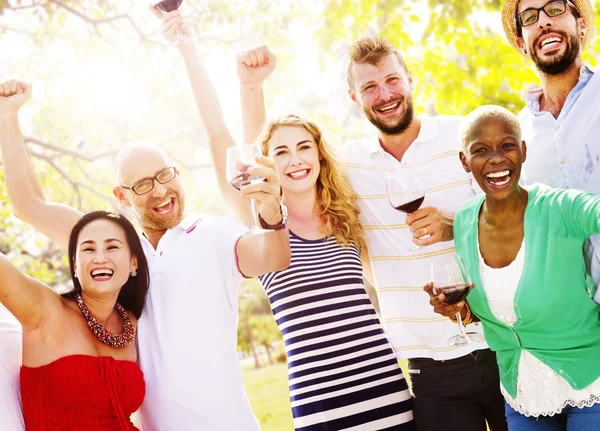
(342, 370)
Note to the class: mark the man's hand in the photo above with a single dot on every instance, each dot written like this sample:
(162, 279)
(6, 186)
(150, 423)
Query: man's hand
(440, 307)
(433, 222)
(172, 23)
(13, 95)
(255, 65)
(266, 194)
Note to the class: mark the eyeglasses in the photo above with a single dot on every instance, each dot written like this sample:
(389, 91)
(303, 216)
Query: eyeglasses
(531, 16)
(147, 184)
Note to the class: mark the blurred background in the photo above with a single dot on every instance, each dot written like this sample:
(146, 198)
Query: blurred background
(103, 76)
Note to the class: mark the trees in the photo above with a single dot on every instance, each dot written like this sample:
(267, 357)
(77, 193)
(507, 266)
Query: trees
(257, 327)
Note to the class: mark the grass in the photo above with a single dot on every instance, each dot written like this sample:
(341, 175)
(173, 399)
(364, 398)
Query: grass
(268, 391)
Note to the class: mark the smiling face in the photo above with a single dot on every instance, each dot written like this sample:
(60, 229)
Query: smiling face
(162, 207)
(384, 92)
(553, 43)
(296, 156)
(103, 260)
(494, 155)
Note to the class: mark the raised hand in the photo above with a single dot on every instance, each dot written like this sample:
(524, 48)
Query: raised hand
(13, 95)
(172, 23)
(255, 65)
(267, 194)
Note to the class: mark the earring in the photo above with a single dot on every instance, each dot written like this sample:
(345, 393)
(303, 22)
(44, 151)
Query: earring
(583, 34)
(75, 274)
(133, 273)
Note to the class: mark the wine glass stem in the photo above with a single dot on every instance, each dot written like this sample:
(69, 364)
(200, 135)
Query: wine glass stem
(461, 328)
(255, 222)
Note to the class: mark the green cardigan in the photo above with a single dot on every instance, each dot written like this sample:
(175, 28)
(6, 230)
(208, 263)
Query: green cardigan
(557, 320)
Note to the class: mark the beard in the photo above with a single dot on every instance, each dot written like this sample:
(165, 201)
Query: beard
(557, 63)
(400, 124)
(151, 219)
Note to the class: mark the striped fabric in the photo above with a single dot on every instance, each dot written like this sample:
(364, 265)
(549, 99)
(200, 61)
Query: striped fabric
(413, 328)
(343, 374)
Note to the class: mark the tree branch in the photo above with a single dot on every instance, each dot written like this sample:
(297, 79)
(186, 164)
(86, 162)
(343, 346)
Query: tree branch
(63, 174)
(67, 151)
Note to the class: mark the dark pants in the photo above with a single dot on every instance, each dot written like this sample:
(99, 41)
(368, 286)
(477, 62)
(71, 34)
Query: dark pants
(458, 394)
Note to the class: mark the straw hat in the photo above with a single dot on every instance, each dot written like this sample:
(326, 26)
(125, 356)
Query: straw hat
(509, 10)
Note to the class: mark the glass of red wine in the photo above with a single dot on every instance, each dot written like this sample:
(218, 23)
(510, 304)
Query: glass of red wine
(239, 159)
(405, 192)
(167, 6)
(450, 277)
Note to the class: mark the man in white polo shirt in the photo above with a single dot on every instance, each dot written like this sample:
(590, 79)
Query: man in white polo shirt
(561, 120)
(455, 387)
(11, 418)
(187, 335)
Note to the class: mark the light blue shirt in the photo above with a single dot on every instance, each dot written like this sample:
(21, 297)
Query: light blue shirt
(564, 152)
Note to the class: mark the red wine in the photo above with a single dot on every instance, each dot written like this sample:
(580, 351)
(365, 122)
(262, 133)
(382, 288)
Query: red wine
(453, 292)
(412, 206)
(168, 5)
(243, 179)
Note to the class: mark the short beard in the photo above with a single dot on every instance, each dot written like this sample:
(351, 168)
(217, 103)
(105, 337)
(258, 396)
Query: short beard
(149, 219)
(400, 126)
(558, 65)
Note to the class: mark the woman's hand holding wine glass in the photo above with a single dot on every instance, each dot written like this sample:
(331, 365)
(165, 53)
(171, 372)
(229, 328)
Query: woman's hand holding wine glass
(450, 284)
(254, 176)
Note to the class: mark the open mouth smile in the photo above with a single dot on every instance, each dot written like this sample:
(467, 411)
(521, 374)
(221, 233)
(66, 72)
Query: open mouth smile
(499, 178)
(165, 207)
(102, 274)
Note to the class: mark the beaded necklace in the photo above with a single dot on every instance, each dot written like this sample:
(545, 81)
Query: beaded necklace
(103, 334)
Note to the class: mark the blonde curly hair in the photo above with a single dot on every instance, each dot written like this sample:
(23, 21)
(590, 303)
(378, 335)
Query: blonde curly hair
(335, 197)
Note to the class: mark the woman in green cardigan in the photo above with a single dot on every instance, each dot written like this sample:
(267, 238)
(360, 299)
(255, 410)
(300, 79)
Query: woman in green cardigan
(523, 248)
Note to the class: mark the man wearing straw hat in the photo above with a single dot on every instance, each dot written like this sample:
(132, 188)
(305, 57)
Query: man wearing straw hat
(561, 121)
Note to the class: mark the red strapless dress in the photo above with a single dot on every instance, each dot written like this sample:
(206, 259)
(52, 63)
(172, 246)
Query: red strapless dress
(80, 392)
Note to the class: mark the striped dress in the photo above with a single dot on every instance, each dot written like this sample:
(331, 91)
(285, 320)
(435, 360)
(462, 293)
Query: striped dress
(343, 373)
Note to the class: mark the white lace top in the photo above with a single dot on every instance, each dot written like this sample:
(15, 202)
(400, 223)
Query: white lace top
(540, 391)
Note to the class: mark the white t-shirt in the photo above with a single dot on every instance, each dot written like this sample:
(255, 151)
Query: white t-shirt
(11, 417)
(412, 326)
(187, 335)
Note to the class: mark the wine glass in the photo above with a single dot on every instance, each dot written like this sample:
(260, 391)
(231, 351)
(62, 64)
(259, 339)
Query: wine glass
(450, 277)
(169, 6)
(239, 159)
(405, 192)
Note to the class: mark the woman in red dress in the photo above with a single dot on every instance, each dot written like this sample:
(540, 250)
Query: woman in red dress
(79, 356)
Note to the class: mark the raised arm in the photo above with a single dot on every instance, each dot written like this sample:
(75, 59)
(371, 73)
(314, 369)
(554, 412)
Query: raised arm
(24, 190)
(207, 102)
(253, 68)
(26, 298)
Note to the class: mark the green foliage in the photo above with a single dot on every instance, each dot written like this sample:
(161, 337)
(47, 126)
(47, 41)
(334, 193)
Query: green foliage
(459, 60)
(268, 391)
(257, 326)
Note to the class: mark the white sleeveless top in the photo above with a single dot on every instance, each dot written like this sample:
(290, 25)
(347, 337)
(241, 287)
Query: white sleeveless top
(540, 391)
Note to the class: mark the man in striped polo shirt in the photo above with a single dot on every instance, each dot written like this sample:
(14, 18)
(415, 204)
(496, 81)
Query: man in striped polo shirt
(455, 387)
